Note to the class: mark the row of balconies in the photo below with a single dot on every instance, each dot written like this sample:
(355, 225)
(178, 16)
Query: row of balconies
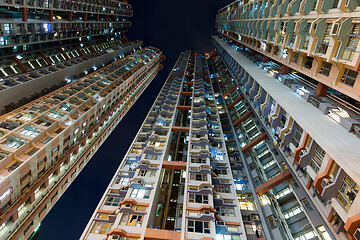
(310, 37)
(98, 6)
(10, 81)
(281, 8)
(331, 105)
(139, 163)
(262, 165)
(46, 27)
(20, 36)
(330, 181)
(26, 177)
(64, 109)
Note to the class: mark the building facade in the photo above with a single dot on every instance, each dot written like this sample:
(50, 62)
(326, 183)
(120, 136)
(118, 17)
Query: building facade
(291, 67)
(46, 143)
(177, 179)
(68, 75)
(44, 44)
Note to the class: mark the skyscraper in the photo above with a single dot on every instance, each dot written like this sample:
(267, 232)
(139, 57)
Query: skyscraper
(43, 44)
(163, 188)
(68, 77)
(291, 75)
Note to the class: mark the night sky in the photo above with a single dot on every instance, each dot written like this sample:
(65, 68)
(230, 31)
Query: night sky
(172, 26)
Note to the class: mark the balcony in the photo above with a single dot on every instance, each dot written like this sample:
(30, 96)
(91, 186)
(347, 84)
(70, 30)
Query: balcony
(306, 155)
(331, 185)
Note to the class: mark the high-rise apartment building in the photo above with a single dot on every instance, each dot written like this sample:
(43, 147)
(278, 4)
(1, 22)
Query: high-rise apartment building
(45, 43)
(68, 76)
(290, 78)
(177, 179)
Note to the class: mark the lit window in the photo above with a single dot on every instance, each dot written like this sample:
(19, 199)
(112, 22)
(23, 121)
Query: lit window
(131, 220)
(5, 194)
(306, 236)
(140, 193)
(14, 143)
(123, 181)
(246, 205)
(28, 131)
(101, 227)
(324, 233)
(264, 200)
(293, 212)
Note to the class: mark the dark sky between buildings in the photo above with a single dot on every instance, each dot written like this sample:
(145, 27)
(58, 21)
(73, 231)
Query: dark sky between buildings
(172, 26)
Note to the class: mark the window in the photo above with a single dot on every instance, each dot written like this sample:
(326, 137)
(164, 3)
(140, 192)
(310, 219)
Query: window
(225, 211)
(28, 227)
(352, 43)
(325, 68)
(55, 114)
(113, 201)
(41, 162)
(246, 205)
(147, 173)
(31, 152)
(157, 144)
(222, 188)
(101, 227)
(317, 159)
(54, 150)
(14, 166)
(308, 62)
(306, 32)
(5, 194)
(272, 221)
(349, 77)
(198, 160)
(306, 236)
(23, 178)
(220, 171)
(198, 226)
(198, 198)
(7, 27)
(30, 132)
(347, 192)
(294, 211)
(140, 193)
(123, 181)
(295, 57)
(306, 205)
(3, 41)
(227, 237)
(297, 136)
(324, 234)
(46, 140)
(14, 142)
(152, 156)
(283, 192)
(131, 220)
(250, 229)
(198, 177)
